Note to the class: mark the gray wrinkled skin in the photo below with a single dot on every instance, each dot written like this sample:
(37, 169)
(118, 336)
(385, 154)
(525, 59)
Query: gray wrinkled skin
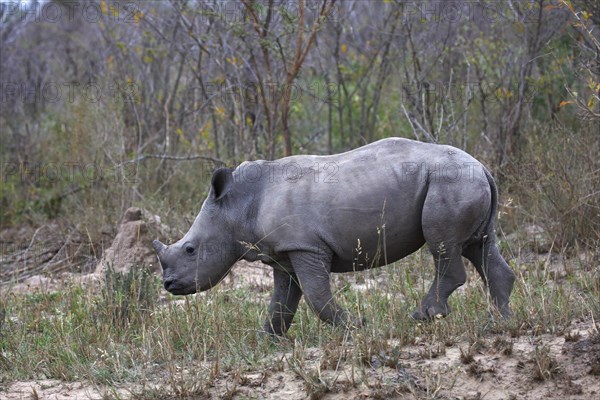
(308, 216)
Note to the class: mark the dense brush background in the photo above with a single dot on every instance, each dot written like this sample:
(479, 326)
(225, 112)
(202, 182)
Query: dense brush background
(89, 89)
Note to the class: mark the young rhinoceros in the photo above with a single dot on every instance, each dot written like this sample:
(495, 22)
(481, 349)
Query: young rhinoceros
(308, 216)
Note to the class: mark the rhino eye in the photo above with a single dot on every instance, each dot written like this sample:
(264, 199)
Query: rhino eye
(189, 249)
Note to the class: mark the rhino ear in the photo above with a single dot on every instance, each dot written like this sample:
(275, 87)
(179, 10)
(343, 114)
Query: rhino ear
(221, 183)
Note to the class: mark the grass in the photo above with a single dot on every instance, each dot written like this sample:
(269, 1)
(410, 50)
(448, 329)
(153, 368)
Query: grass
(126, 333)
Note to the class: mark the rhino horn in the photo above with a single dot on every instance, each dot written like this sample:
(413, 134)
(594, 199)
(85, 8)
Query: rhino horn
(158, 246)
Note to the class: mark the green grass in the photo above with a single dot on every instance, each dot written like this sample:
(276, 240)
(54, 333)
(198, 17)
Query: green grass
(125, 333)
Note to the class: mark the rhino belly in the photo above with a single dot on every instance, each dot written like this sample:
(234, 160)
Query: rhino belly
(364, 238)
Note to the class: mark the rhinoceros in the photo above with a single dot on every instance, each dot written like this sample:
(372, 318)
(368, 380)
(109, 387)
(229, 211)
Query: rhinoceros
(308, 216)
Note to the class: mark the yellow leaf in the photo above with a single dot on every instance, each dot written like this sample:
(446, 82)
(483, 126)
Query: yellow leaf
(182, 136)
(103, 7)
(344, 48)
(114, 11)
(205, 130)
(564, 103)
(591, 102)
(137, 17)
(503, 93)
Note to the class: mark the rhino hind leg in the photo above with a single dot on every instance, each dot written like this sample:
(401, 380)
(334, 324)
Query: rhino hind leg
(451, 215)
(494, 271)
(284, 302)
(450, 275)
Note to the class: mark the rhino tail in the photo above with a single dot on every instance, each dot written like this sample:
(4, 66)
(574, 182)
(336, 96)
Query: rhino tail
(490, 226)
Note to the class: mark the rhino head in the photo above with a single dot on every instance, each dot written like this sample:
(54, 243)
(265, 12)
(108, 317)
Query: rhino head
(204, 255)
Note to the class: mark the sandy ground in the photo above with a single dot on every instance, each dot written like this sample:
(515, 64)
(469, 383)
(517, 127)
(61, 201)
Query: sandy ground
(493, 374)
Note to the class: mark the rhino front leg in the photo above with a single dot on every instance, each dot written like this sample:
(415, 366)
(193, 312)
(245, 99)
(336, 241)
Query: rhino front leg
(313, 274)
(284, 302)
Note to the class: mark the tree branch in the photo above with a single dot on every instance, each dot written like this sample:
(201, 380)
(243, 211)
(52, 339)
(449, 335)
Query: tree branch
(172, 158)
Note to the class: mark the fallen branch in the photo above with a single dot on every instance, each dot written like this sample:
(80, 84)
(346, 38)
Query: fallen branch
(174, 158)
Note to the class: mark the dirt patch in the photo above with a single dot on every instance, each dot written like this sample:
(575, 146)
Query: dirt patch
(52, 283)
(252, 275)
(51, 389)
(498, 368)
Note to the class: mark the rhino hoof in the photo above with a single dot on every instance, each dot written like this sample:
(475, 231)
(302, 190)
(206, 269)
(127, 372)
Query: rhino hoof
(419, 316)
(500, 315)
(268, 334)
(358, 323)
(431, 314)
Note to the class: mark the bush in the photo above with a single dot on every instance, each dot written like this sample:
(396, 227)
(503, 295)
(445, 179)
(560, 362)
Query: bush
(556, 186)
(127, 297)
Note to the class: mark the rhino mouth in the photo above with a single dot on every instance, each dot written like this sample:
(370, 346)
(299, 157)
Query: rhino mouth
(174, 288)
